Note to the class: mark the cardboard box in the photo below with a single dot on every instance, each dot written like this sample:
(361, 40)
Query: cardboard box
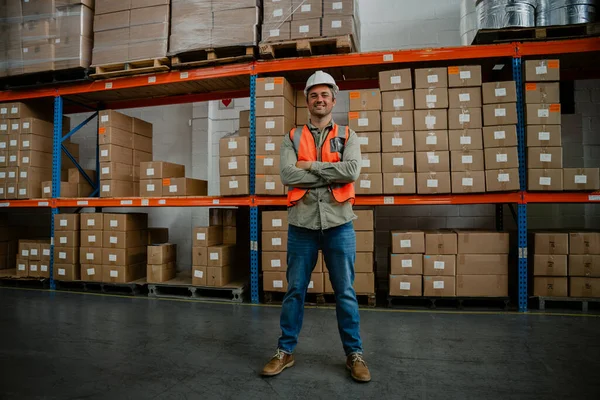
(543, 114)
(482, 286)
(365, 121)
(90, 255)
(30, 158)
(110, 152)
(406, 285)
(162, 253)
(315, 284)
(581, 178)
(463, 76)
(160, 170)
(584, 287)
(235, 185)
(584, 265)
(199, 275)
(584, 243)
(22, 269)
(116, 188)
(200, 256)
(431, 120)
(274, 241)
(500, 136)
(233, 146)
(551, 243)
(124, 240)
(545, 179)
(274, 261)
(392, 142)
(66, 255)
(274, 282)
(499, 92)
(439, 265)
(268, 145)
(274, 106)
(369, 184)
(66, 222)
(406, 264)
(116, 171)
(365, 241)
(33, 142)
(130, 256)
(501, 158)
(235, 165)
(482, 264)
(364, 283)
(184, 187)
(276, 33)
(307, 9)
(504, 180)
(336, 7)
(544, 136)
(161, 273)
(302, 116)
(364, 220)
(306, 28)
(544, 157)
(67, 238)
(273, 86)
(400, 79)
(549, 265)
(207, 236)
(464, 118)
(123, 273)
(89, 238)
(74, 176)
(116, 136)
(399, 183)
(431, 77)
(370, 163)
(470, 160)
(215, 217)
(440, 243)
(275, 221)
(542, 70)
(439, 286)
(124, 222)
(546, 93)
(500, 114)
(142, 143)
(151, 188)
(370, 142)
(229, 235)
(219, 276)
(37, 127)
(111, 118)
(365, 100)
(402, 100)
(67, 272)
(274, 126)
(266, 165)
(550, 286)
(408, 242)
(269, 185)
(431, 98)
(431, 140)
(433, 161)
(468, 182)
(140, 157)
(433, 183)
(364, 262)
(397, 121)
(141, 127)
(465, 97)
(482, 242)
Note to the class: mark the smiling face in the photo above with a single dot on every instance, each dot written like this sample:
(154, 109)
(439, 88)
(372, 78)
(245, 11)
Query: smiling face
(320, 101)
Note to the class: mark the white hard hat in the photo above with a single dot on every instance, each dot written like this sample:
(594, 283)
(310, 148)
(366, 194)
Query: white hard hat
(321, 78)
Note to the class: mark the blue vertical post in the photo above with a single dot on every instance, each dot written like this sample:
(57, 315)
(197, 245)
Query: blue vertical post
(56, 165)
(253, 209)
(252, 134)
(522, 208)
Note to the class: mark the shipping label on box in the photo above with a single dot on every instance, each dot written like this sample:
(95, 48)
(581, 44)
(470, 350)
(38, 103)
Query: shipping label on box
(365, 121)
(397, 142)
(500, 114)
(274, 281)
(542, 93)
(430, 120)
(399, 183)
(274, 261)
(465, 118)
(501, 158)
(370, 142)
(502, 180)
(500, 136)
(544, 157)
(433, 183)
(581, 178)
(543, 114)
(235, 185)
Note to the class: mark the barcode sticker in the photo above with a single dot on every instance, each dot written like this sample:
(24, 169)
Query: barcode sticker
(34, 252)
(269, 86)
(438, 284)
(305, 8)
(114, 274)
(366, 163)
(150, 171)
(200, 236)
(433, 159)
(276, 223)
(304, 29)
(501, 158)
(545, 181)
(398, 161)
(46, 252)
(62, 272)
(268, 162)
(407, 264)
(214, 256)
(233, 184)
(278, 12)
(503, 177)
(499, 135)
(396, 80)
(198, 274)
(44, 268)
(398, 103)
(21, 267)
(63, 222)
(439, 265)
(464, 97)
(363, 140)
(269, 146)
(500, 92)
(92, 238)
(91, 222)
(275, 241)
(465, 74)
(432, 183)
(269, 105)
(62, 240)
(278, 284)
(172, 188)
(581, 179)
(543, 135)
(269, 124)
(398, 181)
(22, 192)
(62, 255)
(541, 70)
(545, 157)
(91, 271)
(404, 285)
(397, 121)
(431, 98)
(467, 159)
(232, 165)
(274, 33)
(464, 118)
(275, 263)
(114, 223)
(465, 140)
(364, 122)
(113, 240)
(105, 170)
(33, 268)
(430, 121)
(150, 187)
(364, 184)
(432, 79)
(405, 243)
(338, 5)
(388, 58)
(336, 24)
(269, 185)
(24, 253)
(397, 142)
(184, 75)
(467, 181)
(104, 153)
(112, 257)
(543, 113)
(500, 112)
(231, 145)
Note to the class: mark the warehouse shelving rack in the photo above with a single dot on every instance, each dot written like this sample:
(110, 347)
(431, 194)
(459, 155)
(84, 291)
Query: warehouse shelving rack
(579, 60)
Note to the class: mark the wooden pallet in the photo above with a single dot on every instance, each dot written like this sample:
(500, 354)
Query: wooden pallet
(181, 287)
(134, 288)
(224, 55)
(321, 299)
(140, 67)
(506, 35)
(45, 78)
(308, 47)
(452, 302)
(583, 302)
(9, 278)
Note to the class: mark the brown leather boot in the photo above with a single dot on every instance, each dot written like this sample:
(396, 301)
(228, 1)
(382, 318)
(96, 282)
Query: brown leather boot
(278, 363)
(358, 368)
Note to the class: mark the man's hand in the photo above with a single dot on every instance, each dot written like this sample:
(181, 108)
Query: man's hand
(305, 165)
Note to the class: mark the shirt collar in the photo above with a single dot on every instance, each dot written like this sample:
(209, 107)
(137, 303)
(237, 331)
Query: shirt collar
(314, 128)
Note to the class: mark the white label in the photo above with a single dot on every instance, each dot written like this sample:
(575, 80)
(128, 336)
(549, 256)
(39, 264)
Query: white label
(503, 178)
(63, 222)
(431, 98)
(149, 171)
(365, 184)
(366, 163)
(432, 183)
(232, 165)
(430, 121)
(464, 97)
(62, 272)
(46, 252)
(543, 135)
(268, 162)
(398, 103)
(405, 243)
(500, 112)
(105, 170)
(2, 145)
(44, 268)
(465, 74)
(467, 181)
(278, 284)
(214, 256)
(542, 70)
(91, 271)
(183, 75)
(34, 252)
(269, 86)
(25, 143)
(14, 110)
(397, 142)
(395, 80)
(33, 268)
(3, 110)
(92, 238)
(465, 140)
(274, 32)
(278, 12)
(106, 188)
(151, 79)
(269, 104)
(10, 190)
(25, 125)
(231, 145)
(500, 92)
(431, 159)
(304, 29)
(104, 153)
(13, 143)
(363, 122)
(501, 158)
(233, 184)
(545, 157)
(543, 113)
(113, 240)
(305, 8)
(91, 222)
(545, 181)
(112, 257)
(24, 253)
(275, 263)
(270, 124)
(432, 79)
(21, 267)
(467, 159)
(269, 146)
(406, 263)
(104, 118)
(463, 118)
(62, 255)
(499, 135)
(336, 24)
(22, 192)
(580, 178)
(108, 85)
(89, 256)
(396, 121)
(114, 274)
(404, 285)
(2, 158)
(63, 240)
(439, 264)
(363, 140)
(338, 5)
(150, 187)
(438, 284)
(269, 185)
(200, 236)
(114, 223)
(398, 161)
(431, 139)
(2, 174)
(198, 274)
(388, 57)
(311, 285)
(172, 188)
(398, 181)
(275, 241)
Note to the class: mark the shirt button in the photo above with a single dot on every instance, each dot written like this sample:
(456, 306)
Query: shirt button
(320, 201)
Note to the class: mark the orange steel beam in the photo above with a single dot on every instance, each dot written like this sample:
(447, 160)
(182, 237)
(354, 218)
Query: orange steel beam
(562, 197)
(559, 46)
(34, 203)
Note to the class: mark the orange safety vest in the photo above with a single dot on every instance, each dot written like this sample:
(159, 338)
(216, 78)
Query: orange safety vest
(332, 150)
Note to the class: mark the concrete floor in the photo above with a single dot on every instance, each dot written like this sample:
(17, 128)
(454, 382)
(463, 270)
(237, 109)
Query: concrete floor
(74, 346)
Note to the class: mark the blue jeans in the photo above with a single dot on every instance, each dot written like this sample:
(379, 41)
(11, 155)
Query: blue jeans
(339, 251)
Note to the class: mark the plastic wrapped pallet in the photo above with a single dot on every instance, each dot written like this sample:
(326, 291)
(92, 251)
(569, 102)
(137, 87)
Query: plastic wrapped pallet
(40, 35)
(209, 24)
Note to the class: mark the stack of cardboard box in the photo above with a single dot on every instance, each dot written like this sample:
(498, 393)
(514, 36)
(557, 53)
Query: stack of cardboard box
(90, 253)
(544, 145)
(550, 268)
(406, 263)
(66, 247)
(274, 251)
(584, 264)
(482, 264)
(439, 264)
(465, 136)
(500, 136)
(76, 185)
(33, 258)
(125, 143)
(159, 178)
(162, 264)
(234, 165)
(130, 30)
(275, 116)
(244, 123)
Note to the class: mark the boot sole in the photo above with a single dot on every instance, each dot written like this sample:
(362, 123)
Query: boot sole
(288, 365)
(355, 377)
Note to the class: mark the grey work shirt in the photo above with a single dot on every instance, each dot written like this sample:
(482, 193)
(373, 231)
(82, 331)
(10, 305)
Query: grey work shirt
(318, 210)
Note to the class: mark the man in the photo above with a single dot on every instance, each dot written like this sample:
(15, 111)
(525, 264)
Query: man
(320, 163)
